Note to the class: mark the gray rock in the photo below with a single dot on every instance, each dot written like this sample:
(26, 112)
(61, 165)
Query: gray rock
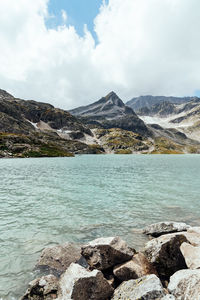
(80, 284)
(185, 285)
(191, 255)
(145, 288)
(164, 253)
(104, 253)
(58, 258)
(161, 228)
(44, 288)
(138, 267)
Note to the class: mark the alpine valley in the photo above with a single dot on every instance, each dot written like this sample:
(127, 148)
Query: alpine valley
(147, 124)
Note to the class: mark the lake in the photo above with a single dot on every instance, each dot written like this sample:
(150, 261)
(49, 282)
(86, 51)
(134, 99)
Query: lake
(46, 201)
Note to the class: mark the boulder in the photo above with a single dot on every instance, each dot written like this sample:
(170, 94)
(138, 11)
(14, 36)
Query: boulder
(137, 267)
(104, 253)
(185, 285)
(192, 237)
(80, 284)
(58, 258)
(161, 228)
(191, 255)
(148, 287)
(44, 288)
(164, 253)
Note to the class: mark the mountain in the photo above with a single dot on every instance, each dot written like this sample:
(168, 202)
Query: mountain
(111, 112)
(184, 117)
(34, 129)
(30, 128)
(147, 101)
(161, 109)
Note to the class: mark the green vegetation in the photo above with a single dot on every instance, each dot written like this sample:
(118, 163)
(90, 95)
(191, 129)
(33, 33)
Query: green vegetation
(47, 151)
(123, 151)
(165, 146)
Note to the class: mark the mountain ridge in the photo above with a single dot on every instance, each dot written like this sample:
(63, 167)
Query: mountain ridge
(35, 129)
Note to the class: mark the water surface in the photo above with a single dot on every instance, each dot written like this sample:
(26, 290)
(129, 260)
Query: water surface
(46, 201)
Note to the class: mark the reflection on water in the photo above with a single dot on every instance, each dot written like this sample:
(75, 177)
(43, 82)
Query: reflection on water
(44, 202)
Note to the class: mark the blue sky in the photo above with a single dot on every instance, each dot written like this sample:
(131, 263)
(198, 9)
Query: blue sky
(79, 12)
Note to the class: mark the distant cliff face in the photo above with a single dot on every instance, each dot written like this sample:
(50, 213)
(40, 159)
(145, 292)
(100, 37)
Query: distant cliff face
(109, 112)
(147, 101)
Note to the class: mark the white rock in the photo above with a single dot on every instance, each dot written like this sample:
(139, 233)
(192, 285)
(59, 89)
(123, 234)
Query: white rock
(80, 284)
(191, 255)
(185, 285)
(168, 297)
(161, 228)
(148, 287)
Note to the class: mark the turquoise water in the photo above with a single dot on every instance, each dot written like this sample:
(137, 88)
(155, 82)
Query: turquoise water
(53, 200)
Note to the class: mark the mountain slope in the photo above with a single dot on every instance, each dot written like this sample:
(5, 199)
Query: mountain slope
(147, 101)
(109, 112)
(184, 117)
(30, 128)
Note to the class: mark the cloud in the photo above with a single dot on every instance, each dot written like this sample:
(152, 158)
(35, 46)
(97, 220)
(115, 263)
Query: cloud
(145, 47)
(64, 15)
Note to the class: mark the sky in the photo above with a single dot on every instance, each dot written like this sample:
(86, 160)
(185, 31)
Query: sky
(73, 52)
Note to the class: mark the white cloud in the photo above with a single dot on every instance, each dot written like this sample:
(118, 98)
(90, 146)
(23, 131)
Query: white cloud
(145, 47)
(64, 15)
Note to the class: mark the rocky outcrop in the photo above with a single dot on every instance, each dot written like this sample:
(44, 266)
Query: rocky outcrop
(164, 253)
(148, 287)
(59, 258)
(161, 228)
(185, 285)
(191, 255)
(80, 284)
(104, 253)
(138, 267)
(44, 288)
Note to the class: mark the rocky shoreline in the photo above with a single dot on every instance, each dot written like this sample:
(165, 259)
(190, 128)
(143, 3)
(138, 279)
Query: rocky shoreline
(107, 268)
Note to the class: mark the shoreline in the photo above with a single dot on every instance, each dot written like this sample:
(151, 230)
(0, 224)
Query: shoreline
(119, 272)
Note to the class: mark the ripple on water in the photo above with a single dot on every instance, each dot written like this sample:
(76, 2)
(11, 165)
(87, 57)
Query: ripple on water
(49, 201)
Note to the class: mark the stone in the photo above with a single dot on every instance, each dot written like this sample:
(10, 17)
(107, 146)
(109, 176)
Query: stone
(80, 284)
(168, 297)
(191, 255)
(148, 287)
(44, 288)
(193, 238)
(164, 253)
(185, 285)
(58, 258)
(195, 229)
(137, 267)
(161, 228)
(104, 253)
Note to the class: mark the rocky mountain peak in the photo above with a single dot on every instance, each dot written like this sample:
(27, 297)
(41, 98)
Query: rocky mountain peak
(113, 99)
